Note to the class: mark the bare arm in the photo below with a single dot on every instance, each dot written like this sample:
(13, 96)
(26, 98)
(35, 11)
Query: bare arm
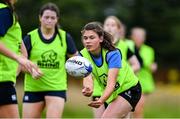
(28, 65)
(87, 86)
(112, 78)
(8, 53)
(111, 82)
(133, 61)
(23, 50)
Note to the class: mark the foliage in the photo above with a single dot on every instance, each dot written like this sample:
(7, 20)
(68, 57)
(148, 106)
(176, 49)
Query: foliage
(159, 17)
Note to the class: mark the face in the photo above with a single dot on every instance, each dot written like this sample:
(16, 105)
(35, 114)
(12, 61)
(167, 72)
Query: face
(111, 26)
(48, 19)
(138, 36)
(92, 41)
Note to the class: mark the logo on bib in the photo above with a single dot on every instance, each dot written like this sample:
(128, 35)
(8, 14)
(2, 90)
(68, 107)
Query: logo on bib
(48, 60)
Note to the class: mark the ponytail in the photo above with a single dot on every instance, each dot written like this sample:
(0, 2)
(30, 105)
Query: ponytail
(107, 42)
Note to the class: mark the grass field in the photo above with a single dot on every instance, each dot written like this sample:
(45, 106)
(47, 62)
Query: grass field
(163, 103)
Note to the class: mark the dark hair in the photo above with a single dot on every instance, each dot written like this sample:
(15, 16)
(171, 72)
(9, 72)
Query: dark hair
(107, 38)
(52, 7)
(49, 6)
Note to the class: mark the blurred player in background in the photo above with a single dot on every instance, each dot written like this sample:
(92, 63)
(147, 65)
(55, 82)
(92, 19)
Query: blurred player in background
(114, 26)
(147, 54)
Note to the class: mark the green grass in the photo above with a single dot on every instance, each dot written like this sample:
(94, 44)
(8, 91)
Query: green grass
(162, 111)
(77, 112)
(163, 103)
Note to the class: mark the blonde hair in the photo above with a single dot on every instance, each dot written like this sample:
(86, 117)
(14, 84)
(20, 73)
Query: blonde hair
(118, 22)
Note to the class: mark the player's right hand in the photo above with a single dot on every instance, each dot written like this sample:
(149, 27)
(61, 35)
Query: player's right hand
(29, 67)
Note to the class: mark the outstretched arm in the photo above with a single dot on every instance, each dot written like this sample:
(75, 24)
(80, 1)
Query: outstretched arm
(87, 86)
(111, 82)
(28, 65)
(8, 53)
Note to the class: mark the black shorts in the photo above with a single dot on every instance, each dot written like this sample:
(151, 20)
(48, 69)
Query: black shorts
(132, 95)
(31, 97)
(7, 93)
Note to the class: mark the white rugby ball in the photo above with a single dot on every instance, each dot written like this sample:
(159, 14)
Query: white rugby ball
(78, 66)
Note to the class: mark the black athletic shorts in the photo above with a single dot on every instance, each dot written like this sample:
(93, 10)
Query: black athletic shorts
(7, 93)
(31, 97)
(132, 95)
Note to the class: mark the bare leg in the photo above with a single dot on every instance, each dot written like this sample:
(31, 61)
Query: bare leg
(32, 110)
(9, 111)
(128, 116)
(139, 110)
(98, 111)
(119, 108)
(55, 106)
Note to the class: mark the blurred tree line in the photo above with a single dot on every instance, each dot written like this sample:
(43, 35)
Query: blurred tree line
(161, 19)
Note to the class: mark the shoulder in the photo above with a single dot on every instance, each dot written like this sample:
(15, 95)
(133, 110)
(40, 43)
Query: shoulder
(113, 59)
(29, 37)
(3, 5)
(5, 9)
(5, 13)
(113, 54)
(147, 47)
(69, 39)
(129, 42)
(33, 31)
(6, 20)
(68, 35)
(84, 51)
(61, 30)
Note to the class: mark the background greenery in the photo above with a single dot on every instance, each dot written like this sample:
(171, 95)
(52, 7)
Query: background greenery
(159, 17)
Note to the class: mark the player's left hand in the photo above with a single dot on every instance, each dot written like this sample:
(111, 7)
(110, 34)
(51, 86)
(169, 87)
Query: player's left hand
(95, 104)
